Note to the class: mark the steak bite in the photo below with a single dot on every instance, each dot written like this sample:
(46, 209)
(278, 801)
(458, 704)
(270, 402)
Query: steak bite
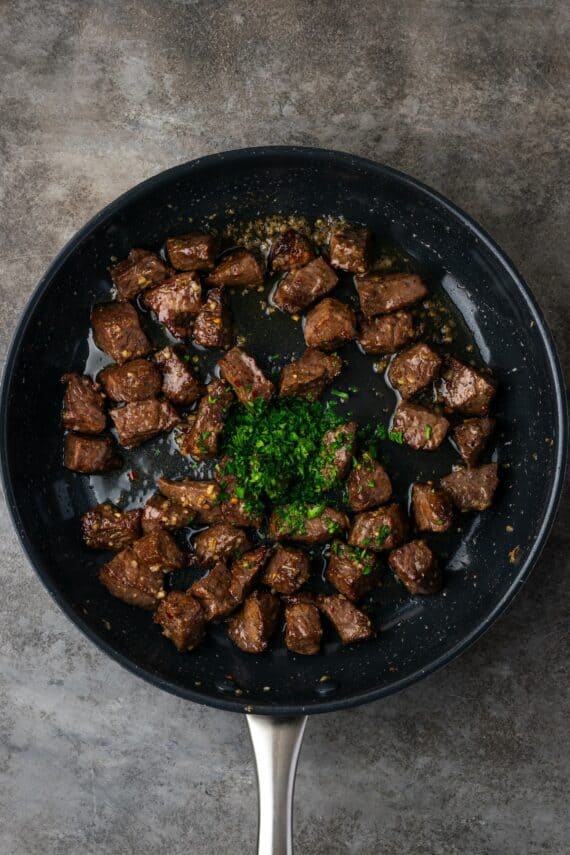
(192, 251)
(132, 581)
(381, 529)
(416, 566)
(182, 620)
(329, 325)
(140, 421)
(162, 513)
(387, 333)
(303, 629)
(290, 250)
(245, 376)
(368, 484)
(337, 450)
(106, 527)
(353, 572)
(414, 369)
(288, 570)
(213, 326)
(317, 525)
(238, 269)
(213, 592)
(431, 507)
(421, 428)
(196, 497)
(472, 489)
(176, 303)
(351, 624)
(83, 405)
(350, 248)
(471, 437)
(245, 571)
(252, 627)
(220, 542)
(135, 381)
(179, 383)
(382, 293)
(308, 376)
(464, 389)
(200, 438)
(138, 271)
(158, 550)
(90, 454)
(118, 332)
(296, 291)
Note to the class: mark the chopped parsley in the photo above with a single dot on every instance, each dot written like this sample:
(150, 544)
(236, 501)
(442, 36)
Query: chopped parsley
(428, 431)
(382, 535)
(396, 436)
(339, 394)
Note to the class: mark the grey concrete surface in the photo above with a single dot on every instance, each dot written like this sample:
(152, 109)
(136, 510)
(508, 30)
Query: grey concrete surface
(472, 98)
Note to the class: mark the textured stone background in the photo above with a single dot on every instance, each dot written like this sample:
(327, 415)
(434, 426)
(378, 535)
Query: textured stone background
(472, 98)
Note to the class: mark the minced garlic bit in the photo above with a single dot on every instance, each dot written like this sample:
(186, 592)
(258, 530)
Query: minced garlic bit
(514, 554)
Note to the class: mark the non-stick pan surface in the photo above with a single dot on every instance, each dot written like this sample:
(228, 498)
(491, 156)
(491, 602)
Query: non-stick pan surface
(486, 564)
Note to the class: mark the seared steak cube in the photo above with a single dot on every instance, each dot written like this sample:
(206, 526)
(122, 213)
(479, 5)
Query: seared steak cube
(288, 570)
(176, 303)
(138, 271)
(220, 542)
(244, 375)
(316, 525)
(160, 512)
(353, 572)
(387, 333)
(414, 369)
(213, 326)
(471, 437)
(200, 439)
(368, 484)
(106, 527)
(140, 421)
(182, 620)
(192, 251)
(90, 454)
(238, 269)
(300, 288)
(245, 571)
(118, 332)
(381, 529)
(382, 293)
(134, 381)
(350, 248)
(196, 497)
(158, 550)
(303, 629)
(421, 428)
(432, 508)
(336, 454)
(416, 566)
(213, 591)
(290, 250)
(308, 376)
(464, 389)
(329, 325)
(351, 624)
(238, 512)
(472, 489)
(253, 626)
(179, 383)
(132, 581)
(83, 405)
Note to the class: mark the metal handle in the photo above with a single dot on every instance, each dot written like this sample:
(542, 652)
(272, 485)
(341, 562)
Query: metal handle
(276, 745)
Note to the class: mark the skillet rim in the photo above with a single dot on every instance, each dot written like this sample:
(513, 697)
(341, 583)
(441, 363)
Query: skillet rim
(561, 441)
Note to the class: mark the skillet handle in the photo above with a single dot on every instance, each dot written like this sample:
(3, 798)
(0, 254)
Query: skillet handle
(276, 745)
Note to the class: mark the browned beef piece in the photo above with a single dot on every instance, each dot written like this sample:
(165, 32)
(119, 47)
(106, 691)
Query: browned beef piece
(213, 591)
(329, 325)
(387, 333)
(106, 527)
(338, 445)
(131, 580)
(140, 421)
(245, 376)
(308, 376)
(160, 512)
(252, 627)
(179, 383)
(351, 624)
(245, 571)
(135, 381)
(238, 269)
(421, 428)
(83, 405)
(213, 327)
(158, 550)
(290, 250)
(382, 293)
(317, 526)
(301, 597)
(303, 629)
(196, 497)
(350, 248)
(238, 512)
(138, 271)
(368, 484)
(471, 437)
(220, 542)
(288, 570)
(176, 302)
(200, 439)
(414, 369)
(381, 529)
(300, 288)
(182, 620)
(472, 489)
(432, 508)
(118, 332)
(90, 454)
(416, 566)
(464, 389)
(192, 251)
(353, 572)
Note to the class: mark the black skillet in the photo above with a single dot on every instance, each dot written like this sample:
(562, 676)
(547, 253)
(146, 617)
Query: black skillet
(487, 561)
